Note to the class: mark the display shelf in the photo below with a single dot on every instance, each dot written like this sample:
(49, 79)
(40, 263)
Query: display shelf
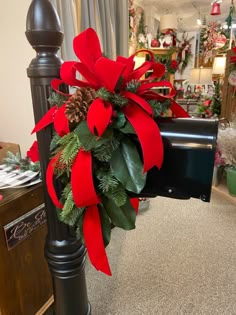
(223, 191)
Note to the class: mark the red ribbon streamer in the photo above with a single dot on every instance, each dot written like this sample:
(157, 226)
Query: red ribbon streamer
(178, 110)
(147, 131)
(83, 190)
(49, 181)
(135, 204)
(46, 120)
(94, 241)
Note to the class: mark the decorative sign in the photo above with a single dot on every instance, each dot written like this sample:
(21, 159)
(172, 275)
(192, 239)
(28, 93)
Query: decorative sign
(19, 229)
(232, 78)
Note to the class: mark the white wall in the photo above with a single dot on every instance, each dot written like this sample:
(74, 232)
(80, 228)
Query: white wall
(16, 112)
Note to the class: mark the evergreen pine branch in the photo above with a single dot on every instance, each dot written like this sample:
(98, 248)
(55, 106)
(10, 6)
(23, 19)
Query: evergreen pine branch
(72, 217)
(70, 150)
(119, 100)
(104, 94)
(70, 213)
(107, 181)
(111, 187)
(54, 142)
(23, 164)
(159, 107)
(13, 159)
(62, 141)
(68, 206)
(57, 99)
(118, 194)
(104, 152)
(66, 191)
(133, 86)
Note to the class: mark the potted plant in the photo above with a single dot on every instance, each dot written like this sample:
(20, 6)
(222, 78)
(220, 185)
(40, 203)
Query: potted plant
(227, 146)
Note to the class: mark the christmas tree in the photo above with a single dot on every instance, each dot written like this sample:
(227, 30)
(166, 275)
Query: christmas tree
(216, 100)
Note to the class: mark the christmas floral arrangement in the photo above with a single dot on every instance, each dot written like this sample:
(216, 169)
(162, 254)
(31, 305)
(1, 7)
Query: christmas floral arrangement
(214, 40)
(106, 139)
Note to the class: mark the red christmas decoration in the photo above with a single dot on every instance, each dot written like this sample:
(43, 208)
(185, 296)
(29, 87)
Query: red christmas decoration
(215, 10)
(114, 77)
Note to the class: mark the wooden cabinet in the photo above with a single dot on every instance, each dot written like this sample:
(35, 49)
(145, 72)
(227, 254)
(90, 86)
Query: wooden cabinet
(25, 282)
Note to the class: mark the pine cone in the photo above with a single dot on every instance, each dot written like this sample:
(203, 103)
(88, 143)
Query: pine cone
(78, 104)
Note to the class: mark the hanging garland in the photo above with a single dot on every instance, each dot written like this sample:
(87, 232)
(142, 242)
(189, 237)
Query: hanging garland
(93, 153)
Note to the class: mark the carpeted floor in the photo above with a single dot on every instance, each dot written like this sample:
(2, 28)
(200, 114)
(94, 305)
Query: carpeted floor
(180, 260)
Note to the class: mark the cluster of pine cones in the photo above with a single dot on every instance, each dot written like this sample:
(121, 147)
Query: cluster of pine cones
(78, 104)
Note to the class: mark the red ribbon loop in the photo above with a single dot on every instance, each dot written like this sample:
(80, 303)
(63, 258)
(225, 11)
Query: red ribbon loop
(146, 130)
(83, 190)
(98, 123)
(140, 101)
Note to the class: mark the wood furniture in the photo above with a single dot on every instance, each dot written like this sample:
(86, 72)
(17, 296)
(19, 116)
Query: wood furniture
(25, 282)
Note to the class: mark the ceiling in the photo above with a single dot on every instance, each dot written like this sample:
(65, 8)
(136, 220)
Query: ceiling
(188, 11)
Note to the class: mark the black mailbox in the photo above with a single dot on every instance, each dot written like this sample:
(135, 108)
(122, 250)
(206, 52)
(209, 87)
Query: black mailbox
(189, 152)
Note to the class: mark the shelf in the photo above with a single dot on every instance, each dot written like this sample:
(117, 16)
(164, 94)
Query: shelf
(223, 191)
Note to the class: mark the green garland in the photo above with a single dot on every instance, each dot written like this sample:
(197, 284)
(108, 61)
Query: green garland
(15, 161)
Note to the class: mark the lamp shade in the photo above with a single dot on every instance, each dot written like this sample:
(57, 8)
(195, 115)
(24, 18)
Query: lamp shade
(201, 76)
(219, 65)
(168, 22)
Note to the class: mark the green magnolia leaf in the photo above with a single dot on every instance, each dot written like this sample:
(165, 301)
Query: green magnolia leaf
(105, 224)
(127, 166)
(127, 128)
(87, 139)
(119, 121)
(123, 217)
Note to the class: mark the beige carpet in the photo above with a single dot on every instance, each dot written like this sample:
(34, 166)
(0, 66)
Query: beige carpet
(180, 259)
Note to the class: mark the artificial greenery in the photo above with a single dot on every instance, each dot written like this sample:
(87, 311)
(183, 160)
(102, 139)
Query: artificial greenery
(15, 161)
(117, 164)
